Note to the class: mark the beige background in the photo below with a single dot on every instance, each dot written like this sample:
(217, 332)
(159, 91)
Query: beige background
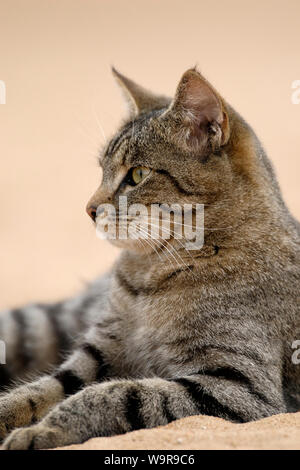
(55, 58)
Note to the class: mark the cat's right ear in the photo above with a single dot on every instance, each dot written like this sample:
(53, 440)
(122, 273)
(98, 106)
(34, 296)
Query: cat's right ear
(139, 100)
(197, 117)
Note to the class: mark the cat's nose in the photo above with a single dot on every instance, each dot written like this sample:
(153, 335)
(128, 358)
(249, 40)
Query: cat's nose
(92, 212)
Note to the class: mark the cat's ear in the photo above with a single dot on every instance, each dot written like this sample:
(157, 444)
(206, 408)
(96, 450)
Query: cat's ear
(138, 98)
(198, 112)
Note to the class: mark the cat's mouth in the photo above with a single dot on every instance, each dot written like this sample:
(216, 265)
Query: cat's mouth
(128, 232)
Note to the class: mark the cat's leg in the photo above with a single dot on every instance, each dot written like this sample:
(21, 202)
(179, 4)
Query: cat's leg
(117, 407)
(89, 363)
(39, 336)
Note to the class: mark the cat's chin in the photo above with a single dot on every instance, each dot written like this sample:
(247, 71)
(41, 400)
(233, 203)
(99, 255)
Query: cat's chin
(132, 245)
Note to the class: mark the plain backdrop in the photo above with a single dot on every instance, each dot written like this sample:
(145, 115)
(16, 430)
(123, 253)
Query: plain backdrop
(55, 59)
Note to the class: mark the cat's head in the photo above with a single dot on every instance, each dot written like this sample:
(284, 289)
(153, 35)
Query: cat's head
(193, 149)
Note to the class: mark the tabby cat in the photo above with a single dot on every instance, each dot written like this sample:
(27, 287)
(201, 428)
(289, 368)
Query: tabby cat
(168, 332)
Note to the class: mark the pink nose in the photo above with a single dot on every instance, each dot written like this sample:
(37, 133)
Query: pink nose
(92, 212)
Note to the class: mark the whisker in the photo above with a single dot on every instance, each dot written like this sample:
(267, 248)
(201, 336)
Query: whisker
(174, 250)
(192, 226)
(100, 126)
(164, 242)
(149, 242)
(180, 259)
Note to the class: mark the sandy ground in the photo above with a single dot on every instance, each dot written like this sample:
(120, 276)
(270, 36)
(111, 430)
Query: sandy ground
(204, 432)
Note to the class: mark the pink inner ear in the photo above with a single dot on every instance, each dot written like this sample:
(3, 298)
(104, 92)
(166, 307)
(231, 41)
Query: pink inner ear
(200, 101)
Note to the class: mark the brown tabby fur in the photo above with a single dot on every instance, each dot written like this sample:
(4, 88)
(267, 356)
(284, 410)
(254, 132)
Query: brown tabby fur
(173, 333)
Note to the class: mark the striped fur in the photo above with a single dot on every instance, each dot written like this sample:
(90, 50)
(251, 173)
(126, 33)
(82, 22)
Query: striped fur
(168, 334)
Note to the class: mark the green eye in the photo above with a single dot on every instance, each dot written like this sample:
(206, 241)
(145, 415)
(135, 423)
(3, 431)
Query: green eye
(139, 173)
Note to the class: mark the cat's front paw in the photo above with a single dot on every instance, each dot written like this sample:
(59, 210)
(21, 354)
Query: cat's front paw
(12, 415)
(3, 431)
(38, 436)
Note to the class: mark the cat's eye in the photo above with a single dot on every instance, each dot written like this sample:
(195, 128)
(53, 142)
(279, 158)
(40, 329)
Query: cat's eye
(139, 173)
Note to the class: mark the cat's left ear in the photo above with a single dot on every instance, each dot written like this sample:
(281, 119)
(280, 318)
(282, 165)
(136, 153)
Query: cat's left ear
(138, 98)
(198, 114)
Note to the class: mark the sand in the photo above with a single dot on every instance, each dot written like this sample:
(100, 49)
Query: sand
(204, 432)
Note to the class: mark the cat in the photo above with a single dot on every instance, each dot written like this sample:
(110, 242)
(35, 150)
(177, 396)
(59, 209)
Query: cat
(168, 332)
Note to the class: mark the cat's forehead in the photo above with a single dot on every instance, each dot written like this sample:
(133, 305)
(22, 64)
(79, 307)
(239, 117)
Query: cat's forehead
(131, 139)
